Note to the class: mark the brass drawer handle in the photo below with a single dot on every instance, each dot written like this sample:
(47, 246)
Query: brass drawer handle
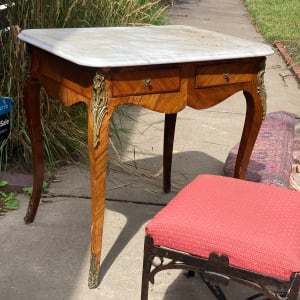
(147, 82)
(226, 76)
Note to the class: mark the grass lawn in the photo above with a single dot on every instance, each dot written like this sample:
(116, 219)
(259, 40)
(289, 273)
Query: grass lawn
(278, 20)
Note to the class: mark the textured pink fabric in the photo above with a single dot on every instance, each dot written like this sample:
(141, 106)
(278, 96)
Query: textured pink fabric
(256, 225)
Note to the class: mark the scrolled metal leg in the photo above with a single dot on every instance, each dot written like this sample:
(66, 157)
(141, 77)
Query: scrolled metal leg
(256, 296)
(147, 263)
(216, 290)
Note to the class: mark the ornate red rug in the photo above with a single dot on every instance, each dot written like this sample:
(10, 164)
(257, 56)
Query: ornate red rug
(274, 157)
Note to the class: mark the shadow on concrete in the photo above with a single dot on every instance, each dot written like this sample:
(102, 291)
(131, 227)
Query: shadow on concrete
(49, 259)
(146, 192)
(41, 260)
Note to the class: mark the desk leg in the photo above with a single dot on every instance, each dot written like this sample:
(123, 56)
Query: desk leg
(169, 131)
(256, 100)
(32, 109)
(98, 165)
(98, 132)
(254, 117)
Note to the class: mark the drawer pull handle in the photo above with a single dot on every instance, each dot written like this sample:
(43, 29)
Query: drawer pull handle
(147, 82)
(226, 76)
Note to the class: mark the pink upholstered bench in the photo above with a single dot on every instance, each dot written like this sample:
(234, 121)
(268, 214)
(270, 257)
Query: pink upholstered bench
(229, 229)
(272, 157)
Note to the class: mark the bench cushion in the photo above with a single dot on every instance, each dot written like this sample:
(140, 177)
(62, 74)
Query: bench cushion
(256, 225)
(272, 157)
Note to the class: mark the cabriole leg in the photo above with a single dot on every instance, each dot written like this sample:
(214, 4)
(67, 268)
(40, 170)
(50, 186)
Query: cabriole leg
(98, 130)
(169, 132)
(32, 109)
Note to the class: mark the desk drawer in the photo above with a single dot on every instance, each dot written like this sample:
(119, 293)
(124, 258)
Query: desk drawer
(139, 82)
(223, 74)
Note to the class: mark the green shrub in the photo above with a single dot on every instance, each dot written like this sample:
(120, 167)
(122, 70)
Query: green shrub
(65, 138)
(8, 201)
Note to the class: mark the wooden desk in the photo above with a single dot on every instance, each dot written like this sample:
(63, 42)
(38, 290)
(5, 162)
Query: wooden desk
(163, 68)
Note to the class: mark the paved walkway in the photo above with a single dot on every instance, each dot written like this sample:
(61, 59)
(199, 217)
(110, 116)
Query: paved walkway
(49, 259)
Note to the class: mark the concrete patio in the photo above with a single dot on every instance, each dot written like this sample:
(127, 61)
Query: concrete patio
(49, 259)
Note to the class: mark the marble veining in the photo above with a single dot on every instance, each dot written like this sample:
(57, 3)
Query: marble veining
(141, 45)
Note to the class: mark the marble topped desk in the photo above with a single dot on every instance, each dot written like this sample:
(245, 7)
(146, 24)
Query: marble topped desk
(162, 68)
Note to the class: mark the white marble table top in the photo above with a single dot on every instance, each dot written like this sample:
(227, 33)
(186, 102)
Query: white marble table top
(143, 45)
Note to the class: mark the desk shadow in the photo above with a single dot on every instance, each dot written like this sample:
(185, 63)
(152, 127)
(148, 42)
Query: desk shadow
(49, 259)
(141, 181)
(186, 166)
(42, 260)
